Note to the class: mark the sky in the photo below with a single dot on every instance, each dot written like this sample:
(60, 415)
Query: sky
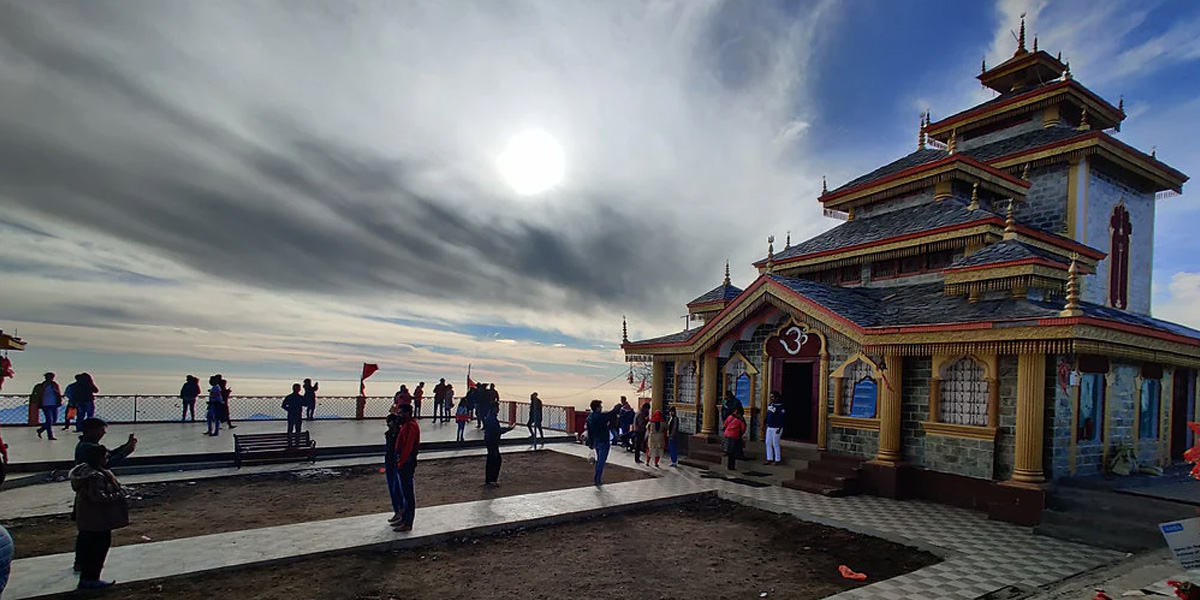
(284, 189)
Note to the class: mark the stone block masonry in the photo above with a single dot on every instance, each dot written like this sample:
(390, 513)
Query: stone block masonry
(1006, 437)
(915, 409)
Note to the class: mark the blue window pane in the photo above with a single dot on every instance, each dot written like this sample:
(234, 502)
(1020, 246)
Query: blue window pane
(1091, 407)
(1149, 410)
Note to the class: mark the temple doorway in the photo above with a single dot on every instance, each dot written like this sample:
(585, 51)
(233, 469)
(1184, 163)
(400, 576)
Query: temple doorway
(1180, 403)
(798, 385)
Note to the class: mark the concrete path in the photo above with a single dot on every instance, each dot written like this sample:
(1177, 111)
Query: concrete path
(56, 498)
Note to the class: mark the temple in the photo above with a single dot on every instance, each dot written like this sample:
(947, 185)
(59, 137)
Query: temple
(977, 327)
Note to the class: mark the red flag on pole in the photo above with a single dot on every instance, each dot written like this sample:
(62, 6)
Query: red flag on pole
(470, 382)
(368, 370)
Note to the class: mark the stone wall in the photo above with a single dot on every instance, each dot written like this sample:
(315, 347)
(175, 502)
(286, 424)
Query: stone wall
(1120, 393)
(959, 456)
(1006, 438)
(1056, 444)
(1045, 205)
(922, 197)
(915, 408)
(1104, 191)
(669, 382)
(854, 442)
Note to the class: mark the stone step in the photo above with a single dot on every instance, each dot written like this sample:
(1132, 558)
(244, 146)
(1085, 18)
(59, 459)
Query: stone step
(823, 478)
(1100, 530)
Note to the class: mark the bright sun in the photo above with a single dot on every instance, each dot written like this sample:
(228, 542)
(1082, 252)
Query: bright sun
(532, 162)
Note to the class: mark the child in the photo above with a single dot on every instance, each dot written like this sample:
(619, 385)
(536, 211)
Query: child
(99, 509)
(462, 416)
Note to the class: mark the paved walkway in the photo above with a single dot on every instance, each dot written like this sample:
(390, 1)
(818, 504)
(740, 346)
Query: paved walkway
(169, 439)
(980, 556)
(56, 498)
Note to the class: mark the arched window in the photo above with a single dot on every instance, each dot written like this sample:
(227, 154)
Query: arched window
(685, 382)
(858, 372)
(964, 394)
(1118, 256)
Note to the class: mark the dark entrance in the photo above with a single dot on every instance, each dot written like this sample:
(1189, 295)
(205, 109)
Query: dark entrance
(796, 385)
(1183, 391)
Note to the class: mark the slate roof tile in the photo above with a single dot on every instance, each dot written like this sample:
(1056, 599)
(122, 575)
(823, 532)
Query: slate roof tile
(1005, 251)
(721, 292)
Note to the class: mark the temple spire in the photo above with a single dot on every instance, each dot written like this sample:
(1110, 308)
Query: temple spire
(1010, 222)
(824, 186)
(624, 330)
(788, 241)
(974, 205)
(1083, 121)
(770, 254)
(727, 283)
(1035, 48)
(921, 132)
(1021, 37)
(1072, 308)
(983, 66)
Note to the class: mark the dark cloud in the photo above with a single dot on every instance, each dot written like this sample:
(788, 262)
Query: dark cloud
(290, 209)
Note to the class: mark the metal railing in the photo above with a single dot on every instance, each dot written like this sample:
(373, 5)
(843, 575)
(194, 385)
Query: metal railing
(154, 408)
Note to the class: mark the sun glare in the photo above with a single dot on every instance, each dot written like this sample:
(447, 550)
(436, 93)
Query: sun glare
(532, 162)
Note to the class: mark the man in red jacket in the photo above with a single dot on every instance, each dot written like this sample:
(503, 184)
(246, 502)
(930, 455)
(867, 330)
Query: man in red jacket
(408, 442)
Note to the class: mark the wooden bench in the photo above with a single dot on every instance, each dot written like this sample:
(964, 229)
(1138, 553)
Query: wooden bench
(273, 445)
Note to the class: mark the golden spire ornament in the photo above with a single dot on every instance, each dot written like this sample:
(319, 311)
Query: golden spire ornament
(824, 186)
(1035, 48)
(1083, 121)
(770, 254)
(974, 205)
(787, 243)
(1121, 104)
(1010, 222)
(1025, 172)
(624, 330)
(1021, 37)
(952, 145)
(726, 273)
(1072, 307)
(983, 66)
(921, 132)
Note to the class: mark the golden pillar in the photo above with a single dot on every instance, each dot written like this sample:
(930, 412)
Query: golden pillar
(935, 396)
(658, 385)
(823, 398)
(890, 397)
(839, 391)
(711, 378)
(1031, 407)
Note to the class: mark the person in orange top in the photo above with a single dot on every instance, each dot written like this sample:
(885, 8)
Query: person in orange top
(418, 395)
(735, 429)
(408, 442)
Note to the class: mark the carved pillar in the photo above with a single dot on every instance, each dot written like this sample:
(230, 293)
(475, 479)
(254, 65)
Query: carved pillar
(838, 395)
(890, 396)
(823, 397)
(1031, 412)
(935, 398)
(658, 385)
(993, 386)
(710, 379)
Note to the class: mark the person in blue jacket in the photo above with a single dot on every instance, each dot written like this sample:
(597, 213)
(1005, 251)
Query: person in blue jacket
(774, 428)
(598, 437)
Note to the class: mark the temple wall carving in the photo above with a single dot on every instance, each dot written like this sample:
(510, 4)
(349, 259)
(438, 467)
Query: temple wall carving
(1104, 193)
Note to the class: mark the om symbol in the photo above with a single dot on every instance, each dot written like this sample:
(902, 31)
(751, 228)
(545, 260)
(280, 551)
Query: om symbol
(799, 336)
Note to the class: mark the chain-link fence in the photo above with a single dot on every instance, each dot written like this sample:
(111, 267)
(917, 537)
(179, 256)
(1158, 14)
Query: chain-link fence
(138, 408)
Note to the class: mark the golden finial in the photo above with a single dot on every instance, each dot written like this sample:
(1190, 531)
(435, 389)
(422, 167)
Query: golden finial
(770, 254)
(1121, 104)
(1025, 172)
(983, 66)
(1010, 222)
(624, 330)
(1021, 36)
(788, 241)
(974, 205)
(1035, 48)
(1072, 308)
(1083, 122)
(726, 273)
(952, 145)
(1154, 152)
(824, 186)
(1067, 73)
(850, 214)
(921, 132)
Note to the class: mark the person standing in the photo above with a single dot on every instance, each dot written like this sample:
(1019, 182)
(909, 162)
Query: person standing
(294, 405)
(462, 416)
(447, 402)
(93, 431)
(408, 443)
(535, 420)
(215, 401)
(672, 433)
(48, 398)
(72, 408)
(226, 393)
(402, 397)
(310, 397)
(85, 398)
(188, 394)
(439, 394)
(731, 404)
(656, 438)
(734, 429)
(625, 423)
(492, 430)
(599, 437)
(481, 404)
(99, 509)
(390, 467)
(639, 432)
(6, 557)
(418, 396)
(774, 428)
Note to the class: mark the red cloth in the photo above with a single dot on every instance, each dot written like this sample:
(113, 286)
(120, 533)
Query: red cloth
(849, 573)
(407, 440)
(734, 427)
(402, 399)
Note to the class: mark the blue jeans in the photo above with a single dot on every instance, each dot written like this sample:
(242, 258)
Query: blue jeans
(6, 556)
(673, 450)
(408, 495)
(84, 410)
(49, 418)
(461, 426)
(393, 483)
(601, 457)
(213, 419)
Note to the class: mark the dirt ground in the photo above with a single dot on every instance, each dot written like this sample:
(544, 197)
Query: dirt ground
(164, 511)
(703, 549)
